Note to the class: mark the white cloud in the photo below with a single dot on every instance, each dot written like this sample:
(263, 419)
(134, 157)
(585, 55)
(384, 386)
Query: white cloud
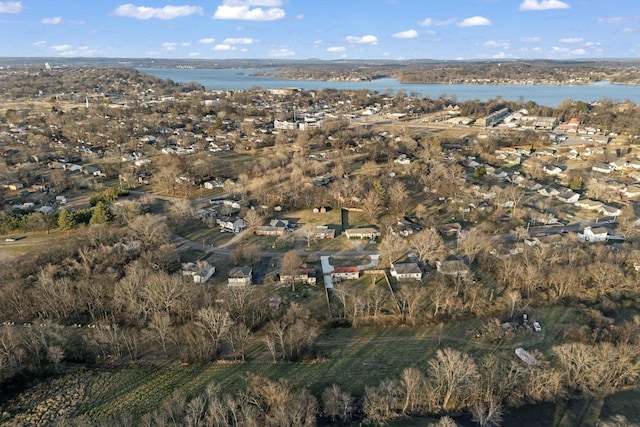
(265, 3)
(223, 47)
(571, 40)
(612, 20)
(60, 47)
(368, 39)
(207, 40)
(40, 43)
(193, 54)
(317, 42)
(543, 5)
(503, 44)
(475, 21)
(246, 13)
(54, 21)
(530, 39)
(169, 46)
(579, 51)
(427, 22)
(336, 49)
(185, 44)
(282, 52)
(167, 12)
(300, 17)
(408, 34)
(11, 7)
(241, 40)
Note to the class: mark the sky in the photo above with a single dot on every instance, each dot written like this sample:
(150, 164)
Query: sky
(322, 29)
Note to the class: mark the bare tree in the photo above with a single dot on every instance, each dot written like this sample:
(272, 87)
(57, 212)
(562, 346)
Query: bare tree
(253, 219)
(411, 383)
(452, 375)
(392, 246)
(160, 328)
(428, 245)
(290, 265)
(216, 322)
(337, 404)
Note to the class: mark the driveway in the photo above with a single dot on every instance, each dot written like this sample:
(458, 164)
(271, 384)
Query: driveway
(326, 272)
(371, 264)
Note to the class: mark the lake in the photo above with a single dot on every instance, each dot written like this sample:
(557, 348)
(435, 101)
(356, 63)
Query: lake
(549, 95)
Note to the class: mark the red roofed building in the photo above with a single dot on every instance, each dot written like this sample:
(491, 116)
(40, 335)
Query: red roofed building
(345, 273)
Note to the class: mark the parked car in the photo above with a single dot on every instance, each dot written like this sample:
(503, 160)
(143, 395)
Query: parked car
(537, 327)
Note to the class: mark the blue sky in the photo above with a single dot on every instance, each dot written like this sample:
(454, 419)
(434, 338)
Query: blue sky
(325, 29)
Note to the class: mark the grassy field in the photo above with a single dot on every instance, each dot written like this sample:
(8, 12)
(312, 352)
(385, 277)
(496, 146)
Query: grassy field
(352, 358)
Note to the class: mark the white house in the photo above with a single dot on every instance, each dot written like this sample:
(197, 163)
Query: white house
(345, 273)
(454, 267)
(589, 204)
(239, 276)
(200, 271)
(406, 271)
(602, 168)
(594, 235)
(631, 191)
(361, 233)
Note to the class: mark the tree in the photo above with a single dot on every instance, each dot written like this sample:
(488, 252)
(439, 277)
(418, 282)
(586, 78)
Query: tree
(428, 245)
(392, 246)
(451, 376)
(471, 243)
(100, 214)
(216, 322)
(398, 197)
(411, 383)
(337, 404)
(513, 298)
(253, 219)
(290, 265)
(65, 220)
(160, 327)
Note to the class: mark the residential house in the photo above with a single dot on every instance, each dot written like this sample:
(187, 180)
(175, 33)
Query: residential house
(362, 233)
(451, 229)
(618, 165)
(305, 274)
(200, 271)
(267, 230)
(589, 204)
(346, 272)
(631, 191)
(230, 223)
(594, 235)
(552, 169)
(402, 159)
(239, 276)
(324, 232)
(568, 196)
(601, 167)
(453, 267)
(607, 210)
(406, 271)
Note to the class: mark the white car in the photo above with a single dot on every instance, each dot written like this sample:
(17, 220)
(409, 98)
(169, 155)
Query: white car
(537, 327)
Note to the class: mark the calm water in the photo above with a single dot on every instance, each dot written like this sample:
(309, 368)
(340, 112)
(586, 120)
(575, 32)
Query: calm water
(550, 95)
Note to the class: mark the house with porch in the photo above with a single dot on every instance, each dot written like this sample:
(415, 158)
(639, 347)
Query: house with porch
(239, 276)
(406, 271)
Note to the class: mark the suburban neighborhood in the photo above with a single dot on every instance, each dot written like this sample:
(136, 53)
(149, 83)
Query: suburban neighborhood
(153, 223)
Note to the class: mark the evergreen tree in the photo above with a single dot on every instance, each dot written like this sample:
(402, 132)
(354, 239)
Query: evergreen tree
(100, 214)
(65, 220)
